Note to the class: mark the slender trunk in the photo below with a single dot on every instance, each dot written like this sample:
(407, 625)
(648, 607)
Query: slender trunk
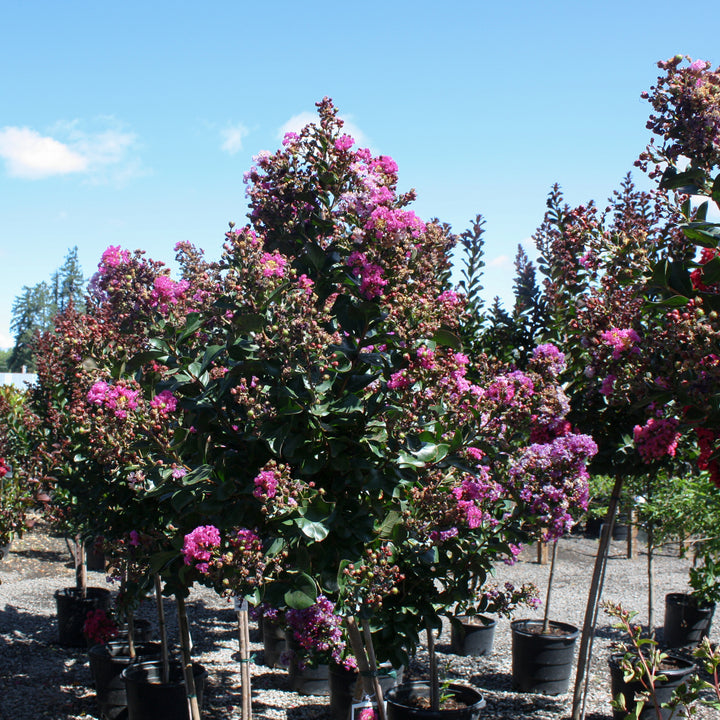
(548, 595)
(372, 662)
(80, 567)
(593, 600)
(186, 659)
(244, 637)
(434, 677)
(651, 578)
(165, 655)
(368, 675)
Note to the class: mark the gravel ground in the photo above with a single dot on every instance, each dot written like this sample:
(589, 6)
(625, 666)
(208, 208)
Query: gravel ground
(43, 681)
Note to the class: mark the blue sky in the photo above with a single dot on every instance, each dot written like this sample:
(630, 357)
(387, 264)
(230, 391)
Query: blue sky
(132, 123)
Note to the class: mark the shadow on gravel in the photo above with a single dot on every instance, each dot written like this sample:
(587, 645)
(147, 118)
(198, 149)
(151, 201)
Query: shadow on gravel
(488, 681)
(28, 645)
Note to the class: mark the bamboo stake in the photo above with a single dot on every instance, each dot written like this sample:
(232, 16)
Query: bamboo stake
(163, 630)
(593, 599)
(244, 642)
(186, 659)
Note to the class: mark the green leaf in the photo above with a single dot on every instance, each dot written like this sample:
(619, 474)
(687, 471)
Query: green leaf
(688, 182)
(703, 233)
(313, 529)
(711, 271)
(447, 338)
(303, 594)
(715, 192)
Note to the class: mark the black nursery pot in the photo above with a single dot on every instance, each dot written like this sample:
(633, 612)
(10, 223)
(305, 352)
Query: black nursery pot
(401, 703)
(72, 611)
(542, 663)
(686, 622)
(148, 698)
(106, 665)
(676, 670)
(342, 687)
(472, 634)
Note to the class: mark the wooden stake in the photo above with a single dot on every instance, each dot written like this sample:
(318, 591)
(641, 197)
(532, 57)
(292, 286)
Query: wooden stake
(244, 642)
(186, 659)
(163, 630)
(369, 678)
(585, 650)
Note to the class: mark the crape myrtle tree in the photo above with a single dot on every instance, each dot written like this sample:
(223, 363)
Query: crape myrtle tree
(333, 439)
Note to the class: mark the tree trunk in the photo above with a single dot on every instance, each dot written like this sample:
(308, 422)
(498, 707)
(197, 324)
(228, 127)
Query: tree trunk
(585, 651)
(186, 659)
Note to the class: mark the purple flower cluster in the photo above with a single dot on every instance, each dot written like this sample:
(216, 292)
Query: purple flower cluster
(318, 632)
(551, 480)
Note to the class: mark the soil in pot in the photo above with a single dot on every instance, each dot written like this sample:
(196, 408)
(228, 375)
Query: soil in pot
(542, 662)
(148, 698)
(106, 665)
(472, 635)
(686, 622)
(411, 701)
(676, 670)
(72, 610)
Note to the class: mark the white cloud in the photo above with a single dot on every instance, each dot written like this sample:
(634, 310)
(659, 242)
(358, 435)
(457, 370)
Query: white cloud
(100, 155)
(6, 342)
(31, 155)
(233, 138)
(500, 261)
(297, 122)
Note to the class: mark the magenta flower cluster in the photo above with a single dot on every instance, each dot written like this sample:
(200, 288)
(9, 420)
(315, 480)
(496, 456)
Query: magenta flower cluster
(657, 438)
(165, 402)
(622, 340)
(116, 398)
(199, 545)
(167, 292)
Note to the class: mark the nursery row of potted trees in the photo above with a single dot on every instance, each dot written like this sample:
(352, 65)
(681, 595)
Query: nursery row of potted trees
(320, 414)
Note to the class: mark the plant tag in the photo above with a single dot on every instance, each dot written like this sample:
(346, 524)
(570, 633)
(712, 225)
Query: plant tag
(364, 710)
(241, 604)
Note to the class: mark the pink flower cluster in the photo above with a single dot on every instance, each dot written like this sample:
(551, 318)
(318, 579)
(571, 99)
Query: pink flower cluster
(165, 402)
(621, 340)
(370, 275)
(273, 264)
(266, 484)
(385, 220)
(167, 292)
(116, 398)
(199, 545)
(657, 438)
(112, 257)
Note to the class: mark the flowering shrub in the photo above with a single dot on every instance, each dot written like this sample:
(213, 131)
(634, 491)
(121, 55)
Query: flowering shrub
(317, 635)
(497, 600)
(99, 627)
